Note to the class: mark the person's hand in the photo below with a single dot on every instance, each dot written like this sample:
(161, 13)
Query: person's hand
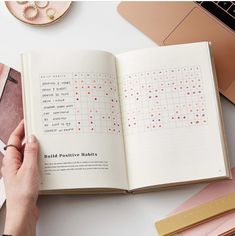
(21, 178)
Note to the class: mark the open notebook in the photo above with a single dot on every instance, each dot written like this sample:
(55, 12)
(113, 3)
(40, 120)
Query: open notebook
(137, 121)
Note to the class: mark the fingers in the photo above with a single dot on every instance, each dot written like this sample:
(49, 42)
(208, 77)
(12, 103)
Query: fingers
(13, 158)
(31, 153)
(17, 135)
(16, 139)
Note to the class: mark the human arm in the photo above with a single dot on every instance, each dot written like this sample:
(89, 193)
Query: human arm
(21, 178)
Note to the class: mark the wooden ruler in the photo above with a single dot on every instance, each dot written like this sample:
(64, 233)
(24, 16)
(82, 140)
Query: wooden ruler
(197, 215)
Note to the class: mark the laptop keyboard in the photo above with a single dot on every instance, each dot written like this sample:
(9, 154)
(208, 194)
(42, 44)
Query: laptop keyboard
(224, 11)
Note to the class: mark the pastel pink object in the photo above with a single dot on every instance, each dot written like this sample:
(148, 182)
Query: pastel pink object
(1, 68)
(224, 227)
(211, 192)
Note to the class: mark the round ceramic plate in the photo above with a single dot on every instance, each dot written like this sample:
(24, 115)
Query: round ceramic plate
(58, 8)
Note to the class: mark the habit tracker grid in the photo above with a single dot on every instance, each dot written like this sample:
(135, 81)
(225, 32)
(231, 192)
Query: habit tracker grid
(85, 102)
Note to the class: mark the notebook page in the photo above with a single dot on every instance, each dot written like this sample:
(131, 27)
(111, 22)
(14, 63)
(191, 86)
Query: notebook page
(72, 106)
(171, 120)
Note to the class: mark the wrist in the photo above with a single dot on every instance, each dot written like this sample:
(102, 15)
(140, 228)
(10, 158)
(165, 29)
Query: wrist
(20, 221)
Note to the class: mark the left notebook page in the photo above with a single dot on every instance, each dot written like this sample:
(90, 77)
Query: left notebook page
(71, 104)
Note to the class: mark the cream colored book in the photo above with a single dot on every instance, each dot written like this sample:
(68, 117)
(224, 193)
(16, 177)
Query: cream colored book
(137, 121)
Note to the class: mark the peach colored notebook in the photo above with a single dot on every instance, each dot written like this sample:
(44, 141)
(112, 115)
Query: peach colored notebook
(211, 192)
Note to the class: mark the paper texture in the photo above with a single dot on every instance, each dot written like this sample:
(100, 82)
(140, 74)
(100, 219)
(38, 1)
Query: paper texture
(76, 117)
(172, 127)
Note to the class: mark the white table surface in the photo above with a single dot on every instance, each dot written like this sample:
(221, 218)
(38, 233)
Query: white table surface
(95, 25)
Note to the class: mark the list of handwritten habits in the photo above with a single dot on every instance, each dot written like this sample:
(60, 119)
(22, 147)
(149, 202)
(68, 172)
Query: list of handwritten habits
(80, 103)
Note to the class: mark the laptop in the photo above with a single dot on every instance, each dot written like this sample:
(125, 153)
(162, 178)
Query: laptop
(184, 22)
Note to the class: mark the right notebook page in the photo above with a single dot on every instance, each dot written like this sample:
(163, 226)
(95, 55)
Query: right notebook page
(171, 116)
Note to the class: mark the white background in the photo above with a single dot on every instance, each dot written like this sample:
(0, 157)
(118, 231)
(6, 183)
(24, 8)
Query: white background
(95, 25)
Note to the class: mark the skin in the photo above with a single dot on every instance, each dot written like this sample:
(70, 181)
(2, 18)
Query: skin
(21, 178)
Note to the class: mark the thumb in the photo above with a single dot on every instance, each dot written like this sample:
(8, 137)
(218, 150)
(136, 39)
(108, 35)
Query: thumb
(31, 152)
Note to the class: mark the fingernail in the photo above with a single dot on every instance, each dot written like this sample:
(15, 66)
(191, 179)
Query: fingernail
(31, 139)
